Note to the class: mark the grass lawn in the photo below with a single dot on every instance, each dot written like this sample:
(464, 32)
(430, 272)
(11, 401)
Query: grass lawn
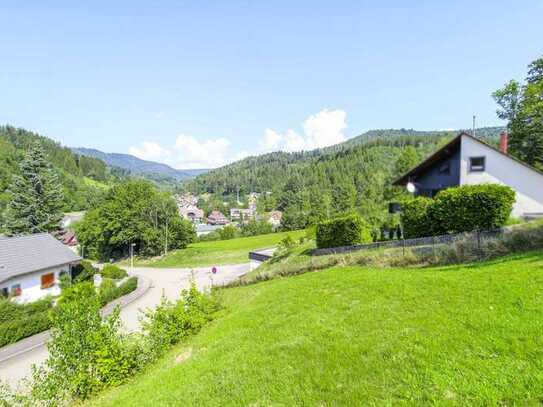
(463, 335)
(233, 251)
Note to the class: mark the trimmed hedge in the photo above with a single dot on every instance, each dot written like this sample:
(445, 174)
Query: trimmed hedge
(18, 321)
(345, 231)
(114, 272)
(471, 207)
(414, 217)
(109, 291)
(461, 209)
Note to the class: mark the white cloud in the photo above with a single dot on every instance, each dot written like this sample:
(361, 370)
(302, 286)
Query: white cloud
(149, 151)
(186, 153)
(320, 130)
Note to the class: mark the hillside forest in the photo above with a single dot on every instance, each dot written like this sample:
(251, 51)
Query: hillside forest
(83, 180)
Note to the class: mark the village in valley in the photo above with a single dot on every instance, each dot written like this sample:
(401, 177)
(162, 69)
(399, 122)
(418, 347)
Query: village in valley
(188, 209)
(328, 263)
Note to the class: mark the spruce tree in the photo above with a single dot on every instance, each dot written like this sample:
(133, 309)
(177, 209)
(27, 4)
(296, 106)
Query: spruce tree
(36, 196)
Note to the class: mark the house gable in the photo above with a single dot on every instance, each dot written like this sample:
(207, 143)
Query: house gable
(499, 168)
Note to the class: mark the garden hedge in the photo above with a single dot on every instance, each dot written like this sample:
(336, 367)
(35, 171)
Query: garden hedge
(414, 217)
(471, 207)
(114, 272)
(345, 231)
(460, 209)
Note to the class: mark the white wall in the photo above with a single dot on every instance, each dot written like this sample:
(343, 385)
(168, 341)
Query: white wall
(31, 284)
(499, 169)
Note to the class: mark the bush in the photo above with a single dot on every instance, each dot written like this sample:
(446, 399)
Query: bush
(109, 290)
(114, 272)
(414, 217)
(255, 228)
(86, 352)
(471, 207)
(345, 231)
(84, 271)
(171, 322)
(128, 286)
(18, 321)
(228, 232)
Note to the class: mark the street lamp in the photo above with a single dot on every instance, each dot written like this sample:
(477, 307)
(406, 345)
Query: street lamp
(411, 188)
(132, 245)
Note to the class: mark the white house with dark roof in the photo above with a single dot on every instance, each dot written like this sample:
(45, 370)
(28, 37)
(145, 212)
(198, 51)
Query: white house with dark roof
(467, 160)
(31, 266)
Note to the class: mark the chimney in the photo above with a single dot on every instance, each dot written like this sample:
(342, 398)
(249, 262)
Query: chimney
(504, 142)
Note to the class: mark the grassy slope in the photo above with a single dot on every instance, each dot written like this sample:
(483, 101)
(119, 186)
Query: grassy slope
(359, 336)
(218, 252)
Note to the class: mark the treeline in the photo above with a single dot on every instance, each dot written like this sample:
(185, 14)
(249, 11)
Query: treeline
(83, 179)
(316, 185)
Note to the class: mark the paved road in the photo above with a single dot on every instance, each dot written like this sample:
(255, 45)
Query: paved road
(168, 282)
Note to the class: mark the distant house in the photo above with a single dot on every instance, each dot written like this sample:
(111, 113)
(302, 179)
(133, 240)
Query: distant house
(188, 209)
(217, 218)
(31, 266)
(192, 213)
(274, 218)
(242, 213)
(467, 160)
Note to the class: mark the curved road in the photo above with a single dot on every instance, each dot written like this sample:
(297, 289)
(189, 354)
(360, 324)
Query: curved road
(168, 282)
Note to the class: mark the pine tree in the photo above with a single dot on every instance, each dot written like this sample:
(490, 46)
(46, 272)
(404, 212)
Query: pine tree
(36, 196)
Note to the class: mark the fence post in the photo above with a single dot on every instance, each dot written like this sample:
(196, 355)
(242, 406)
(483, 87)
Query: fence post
(403, 247)
(479, 253)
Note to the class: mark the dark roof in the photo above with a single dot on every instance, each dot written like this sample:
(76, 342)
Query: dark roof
(25, 254)
(447, 151)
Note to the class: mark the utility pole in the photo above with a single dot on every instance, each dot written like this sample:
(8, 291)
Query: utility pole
(473, 128)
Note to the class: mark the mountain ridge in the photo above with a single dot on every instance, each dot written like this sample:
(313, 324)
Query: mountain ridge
(139, 166)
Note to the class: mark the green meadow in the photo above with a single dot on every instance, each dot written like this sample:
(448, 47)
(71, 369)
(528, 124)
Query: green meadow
(458, 335)
(219, 252)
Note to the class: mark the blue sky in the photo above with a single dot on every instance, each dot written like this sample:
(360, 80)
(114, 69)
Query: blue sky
(202, 83)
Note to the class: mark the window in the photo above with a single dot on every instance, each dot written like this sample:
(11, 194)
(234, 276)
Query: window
(476, 164)
(16, 290)
(445, 168)
(4, 291)
(47, 280)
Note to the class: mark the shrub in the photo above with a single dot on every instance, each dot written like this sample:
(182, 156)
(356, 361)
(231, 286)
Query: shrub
(284, 246)
(471, 207)
(414, 217)
(84, 271)
(345, 231)
(255, 228)
(114, 272)
(128, 286)
(18, 321)
(171, 322)
(228, 232)
(86, 353)
(109, 290)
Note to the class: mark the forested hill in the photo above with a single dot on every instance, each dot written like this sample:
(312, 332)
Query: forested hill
(308, 186)
(83, 178)
(149, 169)
(486, 133)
